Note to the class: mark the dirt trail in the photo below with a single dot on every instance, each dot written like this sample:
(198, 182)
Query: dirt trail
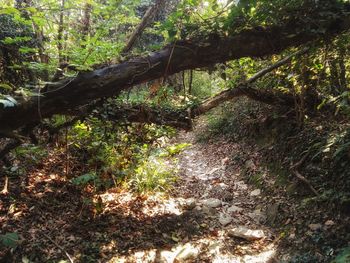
(211, 186)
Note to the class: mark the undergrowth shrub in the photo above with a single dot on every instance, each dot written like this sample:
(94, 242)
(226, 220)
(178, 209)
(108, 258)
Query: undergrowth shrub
(153, 174)
(227, 120)
(135, 156)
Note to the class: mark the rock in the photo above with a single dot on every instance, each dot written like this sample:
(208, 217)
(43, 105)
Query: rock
(214, 248)
(271, 213)
(292, 188)
(234, 209)
(329, 223)
(209, 211)
(187, 252)
(241, 185)
(315, 227)
(189, 204)
(249, 165)
(216, 189)
(212, 202)
(256, 192)
(225, 219)
(245, 233)
(257, 216)
(225, 161)
(227, 196)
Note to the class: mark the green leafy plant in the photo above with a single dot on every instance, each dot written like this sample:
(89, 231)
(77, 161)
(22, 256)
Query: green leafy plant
(174, 149)
(85, 179)
(343, 257)
(152, 175)
(9, 240)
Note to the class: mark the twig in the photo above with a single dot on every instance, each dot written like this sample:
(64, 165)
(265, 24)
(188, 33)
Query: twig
(66, 150)
(169, 60)
(301, 161)
(59, 247)
(304, 180)
(5, 190)
(294, 168)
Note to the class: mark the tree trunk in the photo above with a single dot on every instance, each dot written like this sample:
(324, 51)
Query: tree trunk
(64, 96)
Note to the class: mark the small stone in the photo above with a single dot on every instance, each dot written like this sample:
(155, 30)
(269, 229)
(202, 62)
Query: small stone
(214, 247)
(225, 219)
(209, 211)
(234, 209)
(249, 165)
(189, 204)
(315, 227)
(329, 223)
(225, 161)
(212, 202)
(186, 253)
(217, 189)
(257, 216)
(227, 196)
(241, 185)
(245, 233)
(256, 192)
(271, 213)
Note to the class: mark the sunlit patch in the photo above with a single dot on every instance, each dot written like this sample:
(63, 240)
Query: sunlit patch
(137, 257)
(149, 205)
(166, 206)
(262, 257)
(208, 247)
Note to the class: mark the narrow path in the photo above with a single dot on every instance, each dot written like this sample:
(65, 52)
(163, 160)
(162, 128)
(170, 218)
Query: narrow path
(233, 227)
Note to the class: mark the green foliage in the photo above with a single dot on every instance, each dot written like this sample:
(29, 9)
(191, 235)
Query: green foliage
(343, 257)
(206, 85)
(227, 120)
(32, 154)
(122, 157)
(85, 179)
(174, 149)
(336, 146)
(9, 240)
(152, 175)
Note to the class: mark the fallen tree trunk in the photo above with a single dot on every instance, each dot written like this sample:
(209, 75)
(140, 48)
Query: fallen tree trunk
(182, 118)
(177, 118)
(61, 97)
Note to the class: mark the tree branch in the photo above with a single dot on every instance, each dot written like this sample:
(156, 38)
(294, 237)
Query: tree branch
(244, 89)
(148, 16)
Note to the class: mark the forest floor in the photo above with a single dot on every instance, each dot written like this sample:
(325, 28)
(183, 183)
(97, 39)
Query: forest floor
(212, 214)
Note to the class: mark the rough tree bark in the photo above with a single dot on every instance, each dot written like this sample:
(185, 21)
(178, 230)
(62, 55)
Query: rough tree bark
(61, 97)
